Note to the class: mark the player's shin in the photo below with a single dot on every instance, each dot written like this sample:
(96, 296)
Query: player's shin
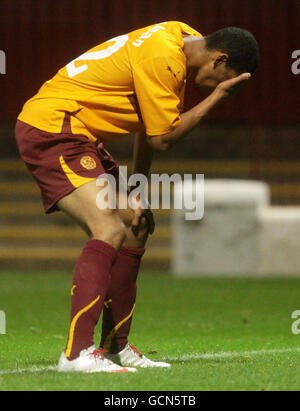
(120, 302)
(89, 289)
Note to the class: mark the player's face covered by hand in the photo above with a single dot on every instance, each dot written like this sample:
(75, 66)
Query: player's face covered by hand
(214, 72)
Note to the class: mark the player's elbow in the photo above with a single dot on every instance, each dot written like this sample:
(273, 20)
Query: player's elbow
(158, 143)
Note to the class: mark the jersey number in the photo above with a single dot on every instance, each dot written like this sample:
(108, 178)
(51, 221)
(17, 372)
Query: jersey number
(120, 41)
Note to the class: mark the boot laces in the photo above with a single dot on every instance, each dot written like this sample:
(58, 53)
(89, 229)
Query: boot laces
(136, 350)
(97, 354)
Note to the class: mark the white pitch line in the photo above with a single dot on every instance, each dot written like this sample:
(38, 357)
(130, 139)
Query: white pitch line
(183, 358)
(211, 356)
(33, 369)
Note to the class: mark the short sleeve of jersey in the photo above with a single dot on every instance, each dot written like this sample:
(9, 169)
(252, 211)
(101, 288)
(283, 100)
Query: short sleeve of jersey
(158, 82)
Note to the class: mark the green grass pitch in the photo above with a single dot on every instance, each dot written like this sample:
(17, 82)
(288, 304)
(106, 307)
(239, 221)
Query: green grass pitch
(219, 334)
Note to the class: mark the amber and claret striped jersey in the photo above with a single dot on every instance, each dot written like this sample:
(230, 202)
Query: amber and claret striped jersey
(130, 83)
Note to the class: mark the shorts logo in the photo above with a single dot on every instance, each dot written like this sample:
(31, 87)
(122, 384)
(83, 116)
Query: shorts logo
(88, 162)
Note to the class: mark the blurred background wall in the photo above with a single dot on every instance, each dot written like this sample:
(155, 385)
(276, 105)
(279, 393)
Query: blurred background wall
(40, 36)
(255, 135)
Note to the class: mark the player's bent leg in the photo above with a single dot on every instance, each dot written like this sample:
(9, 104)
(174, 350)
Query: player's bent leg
(119, 307)
(120, 302)
(91, 279)
(101, 224)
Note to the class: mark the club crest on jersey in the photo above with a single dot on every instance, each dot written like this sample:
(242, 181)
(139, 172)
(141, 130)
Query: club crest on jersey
(88, 163)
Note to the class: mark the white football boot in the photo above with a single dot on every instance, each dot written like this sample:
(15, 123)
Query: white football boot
(90, 360)
(131, 357)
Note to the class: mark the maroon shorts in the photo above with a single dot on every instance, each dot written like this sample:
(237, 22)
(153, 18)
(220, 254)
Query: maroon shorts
(61, 162)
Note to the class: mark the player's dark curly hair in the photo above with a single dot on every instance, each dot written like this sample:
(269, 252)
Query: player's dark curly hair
(240, 45)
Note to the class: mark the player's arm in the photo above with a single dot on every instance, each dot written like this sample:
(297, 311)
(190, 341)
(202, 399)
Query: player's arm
(142, 154)
(142, 159)
(191, 118)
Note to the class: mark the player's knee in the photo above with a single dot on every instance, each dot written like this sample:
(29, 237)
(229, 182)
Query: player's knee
(114, 235)
(109, 228)
(117, 235)
(127, 217)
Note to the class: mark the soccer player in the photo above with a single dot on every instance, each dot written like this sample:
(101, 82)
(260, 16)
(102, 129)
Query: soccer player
(132, 83)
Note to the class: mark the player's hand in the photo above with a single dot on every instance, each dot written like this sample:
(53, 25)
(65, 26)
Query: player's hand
(139, 214)
(233, 86)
